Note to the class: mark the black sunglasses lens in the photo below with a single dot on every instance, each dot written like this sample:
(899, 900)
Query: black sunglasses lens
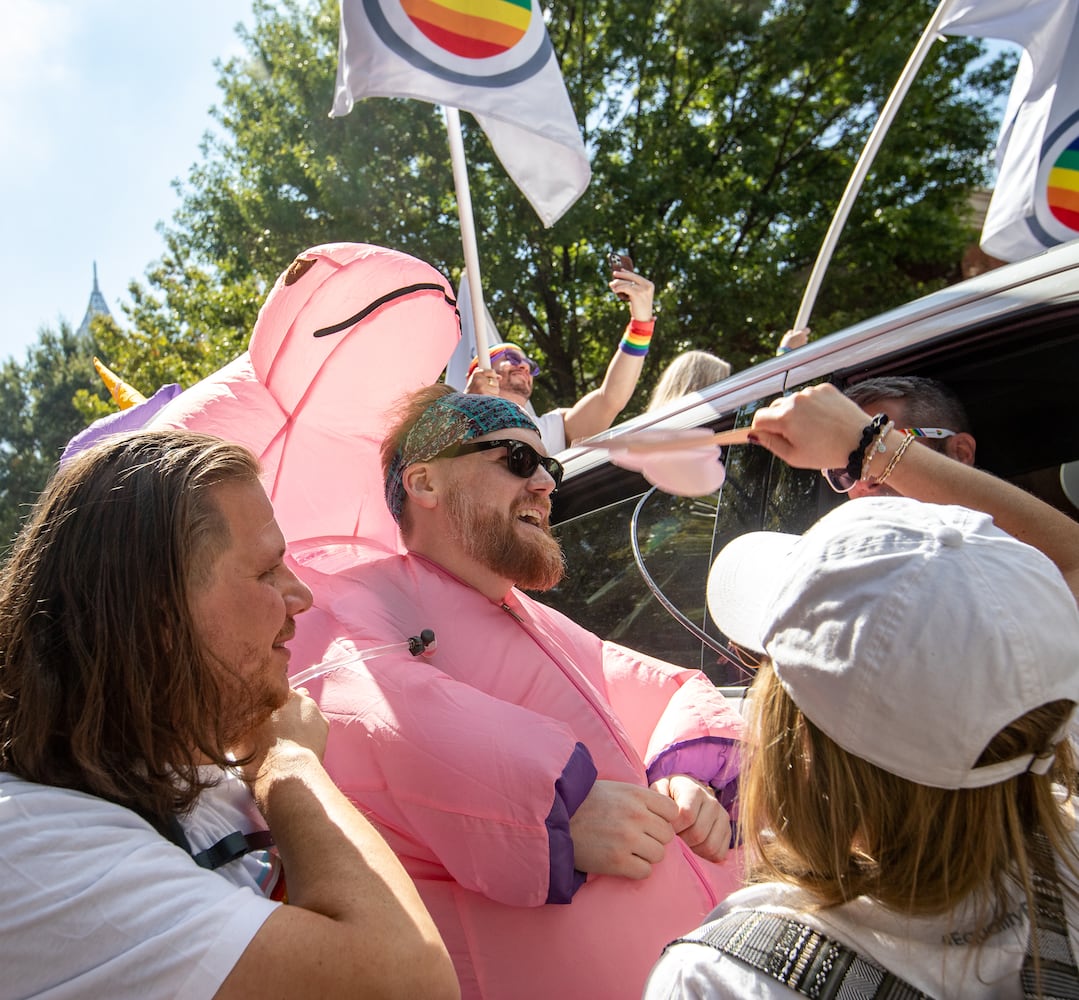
(523, 460)
(839, 479)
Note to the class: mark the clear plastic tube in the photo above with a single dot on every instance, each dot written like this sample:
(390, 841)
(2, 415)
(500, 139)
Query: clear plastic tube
(423, 643)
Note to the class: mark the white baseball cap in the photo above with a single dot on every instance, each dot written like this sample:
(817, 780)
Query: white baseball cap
(909, 633)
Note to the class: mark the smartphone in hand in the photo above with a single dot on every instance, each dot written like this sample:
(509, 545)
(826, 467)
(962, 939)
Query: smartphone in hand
(620, 262)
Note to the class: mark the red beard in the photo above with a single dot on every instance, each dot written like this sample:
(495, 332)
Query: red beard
(530, 557)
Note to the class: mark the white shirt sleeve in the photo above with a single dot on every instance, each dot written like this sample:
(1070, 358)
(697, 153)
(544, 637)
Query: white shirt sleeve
(96, 903)
(552, 428)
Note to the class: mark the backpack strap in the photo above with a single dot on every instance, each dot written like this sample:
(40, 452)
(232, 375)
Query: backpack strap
(234, 846)
(171, 831)
(1059, 977)
(801, 958)
(228, 848)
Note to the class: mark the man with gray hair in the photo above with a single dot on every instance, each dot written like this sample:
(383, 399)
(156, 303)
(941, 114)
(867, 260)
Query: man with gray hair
(922, 405)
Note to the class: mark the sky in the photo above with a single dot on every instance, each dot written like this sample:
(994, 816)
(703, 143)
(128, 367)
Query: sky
(103, 104)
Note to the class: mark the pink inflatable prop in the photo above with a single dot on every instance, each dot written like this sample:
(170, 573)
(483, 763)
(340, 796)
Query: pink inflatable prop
(132, 419)
(456, 757)
(684, 462)
(347, 329)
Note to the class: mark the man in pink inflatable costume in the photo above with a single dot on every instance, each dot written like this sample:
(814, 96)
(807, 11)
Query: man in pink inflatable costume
(556, 798)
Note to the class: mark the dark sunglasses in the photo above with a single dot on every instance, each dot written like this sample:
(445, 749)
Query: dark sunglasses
(841, 481)
(521, 458)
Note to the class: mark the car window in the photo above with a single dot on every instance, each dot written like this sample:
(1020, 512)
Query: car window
(603, 588)
(676, 539)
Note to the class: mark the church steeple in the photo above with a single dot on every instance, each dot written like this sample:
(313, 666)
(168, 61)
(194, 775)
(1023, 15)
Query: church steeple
(97, 305)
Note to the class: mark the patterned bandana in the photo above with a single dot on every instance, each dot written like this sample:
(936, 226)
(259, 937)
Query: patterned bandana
(449, 420)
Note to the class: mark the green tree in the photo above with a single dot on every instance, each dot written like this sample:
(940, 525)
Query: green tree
(722, 133)
(191, 324)
(39, 417)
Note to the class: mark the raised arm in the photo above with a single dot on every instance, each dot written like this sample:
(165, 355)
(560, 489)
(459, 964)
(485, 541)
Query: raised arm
(818, 427)
(597, 410)
(355, 924)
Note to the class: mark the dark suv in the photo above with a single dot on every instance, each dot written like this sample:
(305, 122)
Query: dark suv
(1006, 342)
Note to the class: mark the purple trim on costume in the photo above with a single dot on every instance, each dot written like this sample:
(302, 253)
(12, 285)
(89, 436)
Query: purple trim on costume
(728, 798)
(570, 790)
(132, 419)
(714, 759)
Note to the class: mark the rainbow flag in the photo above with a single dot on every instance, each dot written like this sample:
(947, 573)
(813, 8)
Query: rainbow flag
(491, 58)
(1035, 203)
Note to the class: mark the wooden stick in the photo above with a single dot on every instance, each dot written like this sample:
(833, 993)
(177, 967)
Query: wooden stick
(656, 441)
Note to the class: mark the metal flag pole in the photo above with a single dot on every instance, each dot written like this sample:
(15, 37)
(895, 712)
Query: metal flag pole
(468, 233)
(876, 137)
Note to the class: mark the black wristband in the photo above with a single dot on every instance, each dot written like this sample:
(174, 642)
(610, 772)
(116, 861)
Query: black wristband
(869, 433)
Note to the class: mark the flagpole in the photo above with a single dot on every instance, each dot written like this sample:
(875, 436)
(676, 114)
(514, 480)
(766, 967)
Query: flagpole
(468, 232)
(876, 137)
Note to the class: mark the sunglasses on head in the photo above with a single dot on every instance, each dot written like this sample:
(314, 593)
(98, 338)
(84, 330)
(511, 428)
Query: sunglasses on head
(521, 458)
(516, 358)
(842, 482)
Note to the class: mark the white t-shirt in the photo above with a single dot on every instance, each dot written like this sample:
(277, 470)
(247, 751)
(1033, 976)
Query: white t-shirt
(95, 903)
(938, 955)
(552, 428)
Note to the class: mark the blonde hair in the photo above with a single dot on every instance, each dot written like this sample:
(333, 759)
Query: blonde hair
(690, 371)
(838, 827)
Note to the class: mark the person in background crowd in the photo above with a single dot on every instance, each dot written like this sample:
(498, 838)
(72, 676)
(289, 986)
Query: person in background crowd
(820, 428)
(511, 373)
(793, 339)
(924, 404)
(152, 754)
(560, 800)
(694, 370)
(690, 371)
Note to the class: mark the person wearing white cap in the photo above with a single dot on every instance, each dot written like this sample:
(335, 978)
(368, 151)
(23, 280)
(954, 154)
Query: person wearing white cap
(905, 804)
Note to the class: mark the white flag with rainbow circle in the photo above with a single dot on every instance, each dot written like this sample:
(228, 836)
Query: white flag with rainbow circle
(1035, 203)
(492, 58)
